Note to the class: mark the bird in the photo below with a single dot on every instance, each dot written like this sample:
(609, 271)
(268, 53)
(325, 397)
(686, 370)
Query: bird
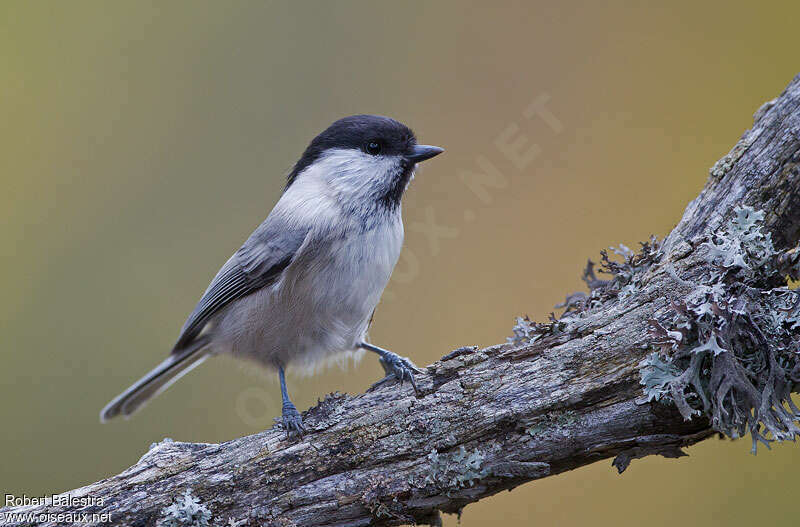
(305, 285)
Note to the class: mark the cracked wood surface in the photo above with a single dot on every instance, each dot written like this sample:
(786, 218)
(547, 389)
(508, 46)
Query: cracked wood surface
(485, 420)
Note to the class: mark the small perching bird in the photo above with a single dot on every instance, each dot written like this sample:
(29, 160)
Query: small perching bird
(304, 285)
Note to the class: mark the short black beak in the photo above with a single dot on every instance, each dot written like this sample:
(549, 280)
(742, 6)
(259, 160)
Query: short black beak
(423, 152)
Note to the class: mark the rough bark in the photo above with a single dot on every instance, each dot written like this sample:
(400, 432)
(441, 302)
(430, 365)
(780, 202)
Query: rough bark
(484, 420)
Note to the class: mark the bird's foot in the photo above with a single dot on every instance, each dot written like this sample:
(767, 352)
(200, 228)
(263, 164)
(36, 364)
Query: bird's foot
(397, 367)
(292, 421)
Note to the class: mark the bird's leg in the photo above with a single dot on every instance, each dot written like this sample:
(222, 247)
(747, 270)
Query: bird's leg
(292, 422)
(395, 366)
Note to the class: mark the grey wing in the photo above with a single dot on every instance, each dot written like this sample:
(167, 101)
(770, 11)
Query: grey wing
(258, 263)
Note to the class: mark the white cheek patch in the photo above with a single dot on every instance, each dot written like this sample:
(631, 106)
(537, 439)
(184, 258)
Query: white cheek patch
(354, 174)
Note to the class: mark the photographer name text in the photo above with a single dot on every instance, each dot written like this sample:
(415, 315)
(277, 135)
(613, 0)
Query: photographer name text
(56, 500)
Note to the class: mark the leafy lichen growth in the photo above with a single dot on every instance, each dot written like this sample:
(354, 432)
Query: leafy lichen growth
(625, 275)
(550, 421)
(730, 350)
(526, 331)
(725, 164)
(186, 511)
(657, 374)
(743, 246)
(456, 470)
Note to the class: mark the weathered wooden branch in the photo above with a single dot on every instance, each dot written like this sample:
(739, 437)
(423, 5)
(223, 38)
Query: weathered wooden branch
(485, 420)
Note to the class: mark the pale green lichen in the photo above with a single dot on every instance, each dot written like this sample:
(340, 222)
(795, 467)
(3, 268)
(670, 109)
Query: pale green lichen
(525, 331)
(186, 511)
(729, 349)
(725, 164)
(657, 374)
(551, 421)
(743, 245)
(457, 469)
(625, 272)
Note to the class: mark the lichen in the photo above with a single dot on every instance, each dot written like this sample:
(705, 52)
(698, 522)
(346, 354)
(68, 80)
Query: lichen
(657, 373)
(550, 421)
(725, 164)
(625, 273)
(186, 511)
(730, 349)
(527, 331)
(742, 246)
(457, 469)
(382, 503)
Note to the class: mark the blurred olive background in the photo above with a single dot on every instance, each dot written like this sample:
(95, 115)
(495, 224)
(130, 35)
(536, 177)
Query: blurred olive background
(142, 142)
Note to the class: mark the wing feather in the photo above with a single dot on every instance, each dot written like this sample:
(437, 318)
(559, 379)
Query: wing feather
(258, 263)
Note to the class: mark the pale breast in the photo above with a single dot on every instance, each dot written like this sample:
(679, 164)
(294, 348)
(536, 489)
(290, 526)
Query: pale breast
(322, 304)
(348, 277)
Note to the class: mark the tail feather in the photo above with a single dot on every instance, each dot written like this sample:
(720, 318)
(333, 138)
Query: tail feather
(159, 379)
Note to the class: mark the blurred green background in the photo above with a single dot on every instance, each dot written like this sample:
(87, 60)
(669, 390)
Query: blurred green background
(142, 142)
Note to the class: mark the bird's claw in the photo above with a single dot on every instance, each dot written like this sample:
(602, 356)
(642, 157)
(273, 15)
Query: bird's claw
(400, 368)
(292, 421)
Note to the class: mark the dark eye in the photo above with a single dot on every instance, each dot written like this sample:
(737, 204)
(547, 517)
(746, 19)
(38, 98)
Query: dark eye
(373, 148)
